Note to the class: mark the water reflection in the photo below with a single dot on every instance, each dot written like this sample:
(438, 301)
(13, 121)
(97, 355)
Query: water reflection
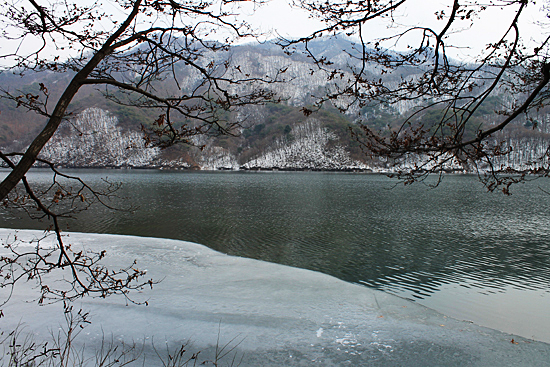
(411, 241)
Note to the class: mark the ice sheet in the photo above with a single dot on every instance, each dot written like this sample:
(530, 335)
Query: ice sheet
(278, 315)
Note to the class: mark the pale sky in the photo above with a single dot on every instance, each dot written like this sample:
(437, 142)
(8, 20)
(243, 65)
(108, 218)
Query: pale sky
(278, 17)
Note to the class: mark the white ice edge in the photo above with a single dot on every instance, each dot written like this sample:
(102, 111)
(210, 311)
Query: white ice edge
(281, 315)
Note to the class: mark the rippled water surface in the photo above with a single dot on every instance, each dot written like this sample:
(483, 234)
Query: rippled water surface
(470, 254)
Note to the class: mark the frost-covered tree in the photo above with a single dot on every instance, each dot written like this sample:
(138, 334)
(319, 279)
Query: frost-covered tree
(307, 146)
(93, 139)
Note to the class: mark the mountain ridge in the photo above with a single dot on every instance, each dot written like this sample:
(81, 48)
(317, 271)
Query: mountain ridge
(271, 136)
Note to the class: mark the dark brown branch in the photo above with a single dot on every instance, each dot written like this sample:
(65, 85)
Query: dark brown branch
(58, 113)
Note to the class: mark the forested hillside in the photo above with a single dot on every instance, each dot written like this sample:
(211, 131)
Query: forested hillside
(104, 133)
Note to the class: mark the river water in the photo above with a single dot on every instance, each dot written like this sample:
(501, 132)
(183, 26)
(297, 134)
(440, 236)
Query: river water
(472, 255)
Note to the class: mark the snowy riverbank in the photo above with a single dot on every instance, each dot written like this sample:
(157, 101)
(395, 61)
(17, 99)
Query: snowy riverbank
(280, 315)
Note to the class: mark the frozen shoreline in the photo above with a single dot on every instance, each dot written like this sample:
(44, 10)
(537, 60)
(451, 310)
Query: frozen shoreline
(280, 315)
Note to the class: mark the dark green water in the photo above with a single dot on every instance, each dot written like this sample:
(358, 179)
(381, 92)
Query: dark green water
(465, 252)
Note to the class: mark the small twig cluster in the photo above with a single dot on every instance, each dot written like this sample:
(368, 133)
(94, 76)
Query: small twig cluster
(66, 350)
(445, 97)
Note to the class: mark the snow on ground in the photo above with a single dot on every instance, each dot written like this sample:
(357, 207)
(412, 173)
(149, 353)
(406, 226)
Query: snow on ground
(274, 315)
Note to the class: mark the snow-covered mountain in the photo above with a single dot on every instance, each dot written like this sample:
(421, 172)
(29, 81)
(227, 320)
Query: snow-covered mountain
(276, 136)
